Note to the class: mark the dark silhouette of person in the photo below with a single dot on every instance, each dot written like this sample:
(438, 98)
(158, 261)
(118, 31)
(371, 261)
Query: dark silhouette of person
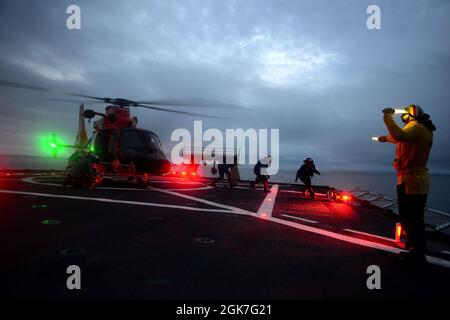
(260, 170)
(80, 171)
(225, 169)
(305, 173)
(413, 145)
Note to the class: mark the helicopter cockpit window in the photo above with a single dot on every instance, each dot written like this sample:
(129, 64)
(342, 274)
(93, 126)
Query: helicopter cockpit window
(153, 141)
(131, 140)
(101, 143)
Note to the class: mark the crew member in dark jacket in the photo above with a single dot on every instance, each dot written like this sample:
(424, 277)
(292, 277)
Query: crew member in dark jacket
(305, 173)
(225, 169)
(260, 170)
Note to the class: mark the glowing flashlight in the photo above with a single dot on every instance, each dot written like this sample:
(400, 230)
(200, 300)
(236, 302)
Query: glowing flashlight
(400, 111)
(375, 139)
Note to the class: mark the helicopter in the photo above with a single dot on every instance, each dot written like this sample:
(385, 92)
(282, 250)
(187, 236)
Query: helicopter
(118, 148)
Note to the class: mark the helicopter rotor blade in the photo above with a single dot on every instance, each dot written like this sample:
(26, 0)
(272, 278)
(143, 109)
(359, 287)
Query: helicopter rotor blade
(18, 85)
(129, 103)
(78, 101)
(179, 112)
(107, 100)
(23, 86)
(192, 102)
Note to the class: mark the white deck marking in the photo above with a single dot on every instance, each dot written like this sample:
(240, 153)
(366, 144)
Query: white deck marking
(149, 189)
(298, 218)
(31, 180)
(169, 191)
(338, 236)
(445, 252)
(231, 209)
(438, 261)
(292, 191)
(266, 208)
(211, 203)
(205, 187)
(369, 234)
(139, 203)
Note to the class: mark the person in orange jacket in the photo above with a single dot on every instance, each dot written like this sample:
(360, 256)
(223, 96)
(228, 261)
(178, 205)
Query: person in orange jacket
(413, 144)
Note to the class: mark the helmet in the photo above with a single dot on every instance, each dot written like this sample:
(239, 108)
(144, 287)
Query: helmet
(308, 160)
(412, 111)
(266, 160)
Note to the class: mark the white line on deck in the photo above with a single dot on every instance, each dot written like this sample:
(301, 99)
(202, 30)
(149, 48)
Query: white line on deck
(139, 203)
(266, 208)
(171, 192)
(208, 202)
(338, 236)
(298, 218)
(296, 225)
(369, 234)
(205, 187)
(438, 261)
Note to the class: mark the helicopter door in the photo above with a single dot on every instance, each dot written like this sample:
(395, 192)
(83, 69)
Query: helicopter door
(113, 152)
(102, 144)
(130, 145)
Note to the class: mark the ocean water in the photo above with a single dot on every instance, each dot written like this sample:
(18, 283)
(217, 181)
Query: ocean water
(379, 182)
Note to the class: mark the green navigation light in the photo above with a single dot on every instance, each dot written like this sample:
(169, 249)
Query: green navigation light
(50, 144)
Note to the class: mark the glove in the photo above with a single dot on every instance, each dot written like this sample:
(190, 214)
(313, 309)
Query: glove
(382, 139)
(388, 111)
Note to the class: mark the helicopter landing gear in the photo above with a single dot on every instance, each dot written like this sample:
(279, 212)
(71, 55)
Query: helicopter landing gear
(143, 181)
(96, 181)
(83, 174)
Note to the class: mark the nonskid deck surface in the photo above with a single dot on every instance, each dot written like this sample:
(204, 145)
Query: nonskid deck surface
(181, 239)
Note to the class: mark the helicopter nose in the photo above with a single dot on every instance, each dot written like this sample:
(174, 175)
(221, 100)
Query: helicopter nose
(163, 166)
(157, 166)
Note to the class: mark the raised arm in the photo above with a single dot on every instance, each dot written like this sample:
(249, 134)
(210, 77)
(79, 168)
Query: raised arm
(397, 134)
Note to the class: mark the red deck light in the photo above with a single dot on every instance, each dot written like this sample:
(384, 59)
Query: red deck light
(184, 173)
(343, 197)
(400, 235)
(398, 232)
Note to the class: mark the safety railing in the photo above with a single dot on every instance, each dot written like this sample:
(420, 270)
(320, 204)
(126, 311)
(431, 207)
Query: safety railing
(436, 219)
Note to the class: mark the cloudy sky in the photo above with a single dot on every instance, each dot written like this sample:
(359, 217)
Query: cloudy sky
(309, 68)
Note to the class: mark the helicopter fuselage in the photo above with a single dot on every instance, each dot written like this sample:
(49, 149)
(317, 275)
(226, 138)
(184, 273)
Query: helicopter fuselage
(118, 141)
(131, 146)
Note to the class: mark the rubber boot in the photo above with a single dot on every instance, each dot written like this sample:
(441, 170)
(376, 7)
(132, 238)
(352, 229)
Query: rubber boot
(266, 187)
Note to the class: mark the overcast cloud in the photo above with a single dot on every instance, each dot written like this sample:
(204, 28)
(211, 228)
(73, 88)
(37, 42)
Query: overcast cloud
(309, 68)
